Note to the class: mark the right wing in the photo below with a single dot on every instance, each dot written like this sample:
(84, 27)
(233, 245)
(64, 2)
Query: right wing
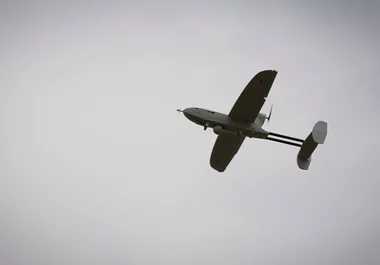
(225, 148)
(251, 100)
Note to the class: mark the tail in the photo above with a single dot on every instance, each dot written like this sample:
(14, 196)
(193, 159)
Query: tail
(316, 137)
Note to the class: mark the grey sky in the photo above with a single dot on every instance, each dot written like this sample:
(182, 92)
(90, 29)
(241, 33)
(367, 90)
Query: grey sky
(97, 167)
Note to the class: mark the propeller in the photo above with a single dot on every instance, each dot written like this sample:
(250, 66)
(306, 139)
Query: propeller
(270, 114)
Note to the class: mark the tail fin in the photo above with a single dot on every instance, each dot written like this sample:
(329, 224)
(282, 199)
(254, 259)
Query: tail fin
(317, 136)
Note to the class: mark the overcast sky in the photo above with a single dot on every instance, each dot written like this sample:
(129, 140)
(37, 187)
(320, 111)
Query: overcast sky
(97, 167)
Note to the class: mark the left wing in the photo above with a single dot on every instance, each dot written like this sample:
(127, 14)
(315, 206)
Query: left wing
(251, 100)
(225, 148)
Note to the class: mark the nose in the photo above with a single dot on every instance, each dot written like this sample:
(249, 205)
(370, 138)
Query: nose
(187, 113)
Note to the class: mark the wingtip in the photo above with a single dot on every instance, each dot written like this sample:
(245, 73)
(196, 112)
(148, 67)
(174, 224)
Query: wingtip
(217, 168)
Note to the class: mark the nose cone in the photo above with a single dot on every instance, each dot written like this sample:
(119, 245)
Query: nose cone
(187, 112)
(194, 115)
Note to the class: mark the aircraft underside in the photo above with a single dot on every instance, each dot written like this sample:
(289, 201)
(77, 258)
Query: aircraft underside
(245, 120)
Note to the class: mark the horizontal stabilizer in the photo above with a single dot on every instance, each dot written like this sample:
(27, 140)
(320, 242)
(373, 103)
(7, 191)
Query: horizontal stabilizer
(320, 132)
(317, 136)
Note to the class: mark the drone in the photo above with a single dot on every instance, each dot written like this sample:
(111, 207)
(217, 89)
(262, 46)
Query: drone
(245, 120)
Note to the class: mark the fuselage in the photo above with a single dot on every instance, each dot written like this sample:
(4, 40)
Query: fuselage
(222, 122)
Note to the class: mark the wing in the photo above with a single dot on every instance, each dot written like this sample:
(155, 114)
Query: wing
(225, 148)
(251, 100)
